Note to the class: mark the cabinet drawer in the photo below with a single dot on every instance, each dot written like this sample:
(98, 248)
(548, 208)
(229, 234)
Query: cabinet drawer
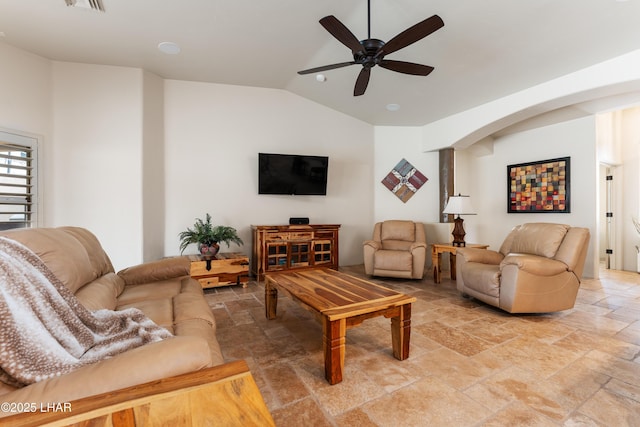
(208, 282)
(199, 268)
(301, 235)
(324, 234)
(277, 236)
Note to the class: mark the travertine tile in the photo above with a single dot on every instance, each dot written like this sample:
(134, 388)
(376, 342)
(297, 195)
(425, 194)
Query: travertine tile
(612, 409)
(305, 412)
(428, 402)
(518, 414)
(285, 383)
(543, 396)
(457, 339)
(452, 368)
(470, 364)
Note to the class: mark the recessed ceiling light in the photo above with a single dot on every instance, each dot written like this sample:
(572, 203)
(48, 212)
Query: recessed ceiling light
(393, 107)
(321, 77)
(169, 48)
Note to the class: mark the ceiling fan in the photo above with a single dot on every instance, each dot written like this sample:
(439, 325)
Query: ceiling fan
(371, 52)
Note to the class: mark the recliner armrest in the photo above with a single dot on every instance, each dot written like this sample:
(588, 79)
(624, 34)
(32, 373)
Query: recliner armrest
(373, 244)
(535, 264)
(482, 256)
(153, 271)
(417, 245)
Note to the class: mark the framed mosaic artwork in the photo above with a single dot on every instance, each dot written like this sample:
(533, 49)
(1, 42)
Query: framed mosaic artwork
(539, 187)
(404, 180)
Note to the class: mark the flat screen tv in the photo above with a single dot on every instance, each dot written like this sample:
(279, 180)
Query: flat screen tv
(292, 174)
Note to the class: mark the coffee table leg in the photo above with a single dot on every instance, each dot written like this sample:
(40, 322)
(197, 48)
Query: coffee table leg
(333, 343)
(270, 300)
(401, 332)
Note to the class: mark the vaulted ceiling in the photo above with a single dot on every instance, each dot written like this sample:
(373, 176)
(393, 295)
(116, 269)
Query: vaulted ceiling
(486, 50)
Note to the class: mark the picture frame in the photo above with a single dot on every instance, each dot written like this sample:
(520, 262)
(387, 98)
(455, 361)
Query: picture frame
(539, 187)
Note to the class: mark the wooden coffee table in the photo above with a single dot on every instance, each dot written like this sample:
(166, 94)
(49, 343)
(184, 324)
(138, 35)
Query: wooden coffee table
(340, 301)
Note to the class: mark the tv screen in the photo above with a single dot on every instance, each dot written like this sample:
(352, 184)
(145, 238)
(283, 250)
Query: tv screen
(292, 174)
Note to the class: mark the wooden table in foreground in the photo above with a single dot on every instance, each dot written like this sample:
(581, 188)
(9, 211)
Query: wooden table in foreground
(437, 249)
(340, 301)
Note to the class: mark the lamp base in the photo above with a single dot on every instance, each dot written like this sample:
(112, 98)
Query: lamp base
(458, 232)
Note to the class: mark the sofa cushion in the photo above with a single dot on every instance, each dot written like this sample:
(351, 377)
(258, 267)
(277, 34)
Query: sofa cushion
(63, 254)
(164, 289)
(201, 329)
(191, 306)
(102, 293)
(160, 310)
(398, 230)
(98, 258)
(542, 239)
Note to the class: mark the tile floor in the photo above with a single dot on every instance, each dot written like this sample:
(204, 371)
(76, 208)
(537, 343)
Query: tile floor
(470, 364)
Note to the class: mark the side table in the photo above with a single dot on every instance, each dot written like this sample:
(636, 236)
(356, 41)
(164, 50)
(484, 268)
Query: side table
(230, 268)
(438, 249)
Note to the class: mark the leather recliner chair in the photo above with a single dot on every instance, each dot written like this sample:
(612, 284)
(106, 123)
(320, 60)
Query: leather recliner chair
(397, 249)
(538, 269)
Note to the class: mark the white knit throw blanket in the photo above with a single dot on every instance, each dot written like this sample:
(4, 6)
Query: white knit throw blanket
(46, 332)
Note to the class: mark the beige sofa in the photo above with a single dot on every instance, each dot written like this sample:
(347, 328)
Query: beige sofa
(162, 289)
(397, 248)
(537, 269)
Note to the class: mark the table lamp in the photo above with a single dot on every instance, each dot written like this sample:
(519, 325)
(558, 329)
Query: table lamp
(459, 205)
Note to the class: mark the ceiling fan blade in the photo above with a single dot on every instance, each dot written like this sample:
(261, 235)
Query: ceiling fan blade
(362, 81)
(341, 33)
(326, 68)
(406, 67)
(412, 35)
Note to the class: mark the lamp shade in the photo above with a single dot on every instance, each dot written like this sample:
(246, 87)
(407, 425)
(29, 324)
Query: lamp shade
(459, 205)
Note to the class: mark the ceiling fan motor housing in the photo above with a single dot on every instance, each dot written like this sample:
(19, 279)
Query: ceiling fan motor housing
(369, 57)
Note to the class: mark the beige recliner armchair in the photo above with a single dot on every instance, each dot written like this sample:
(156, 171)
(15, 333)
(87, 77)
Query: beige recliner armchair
(537, 270)
(397, 249)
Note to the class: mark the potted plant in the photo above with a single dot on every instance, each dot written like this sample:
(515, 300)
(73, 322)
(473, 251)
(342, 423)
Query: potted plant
(208, 236)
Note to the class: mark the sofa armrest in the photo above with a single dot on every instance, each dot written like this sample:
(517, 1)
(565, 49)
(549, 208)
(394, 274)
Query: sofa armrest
(154, 271)
(534, 264)
(482, 256)
(221, 395)
(163, 359)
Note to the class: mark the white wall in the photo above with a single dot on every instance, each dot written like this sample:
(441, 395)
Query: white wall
(213, 136)
(95, 177)
(392, 144)
(486, 176)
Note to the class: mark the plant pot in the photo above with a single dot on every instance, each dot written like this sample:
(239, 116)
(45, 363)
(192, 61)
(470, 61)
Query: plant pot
(209, 250)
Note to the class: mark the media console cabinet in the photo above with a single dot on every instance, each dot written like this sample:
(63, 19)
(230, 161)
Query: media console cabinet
(289, 247)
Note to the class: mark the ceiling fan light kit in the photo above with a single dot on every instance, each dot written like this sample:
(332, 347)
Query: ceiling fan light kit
(371, 52)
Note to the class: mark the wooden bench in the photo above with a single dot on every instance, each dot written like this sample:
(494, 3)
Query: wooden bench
(224, 395)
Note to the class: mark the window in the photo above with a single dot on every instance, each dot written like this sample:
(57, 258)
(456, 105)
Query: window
(18, 189)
